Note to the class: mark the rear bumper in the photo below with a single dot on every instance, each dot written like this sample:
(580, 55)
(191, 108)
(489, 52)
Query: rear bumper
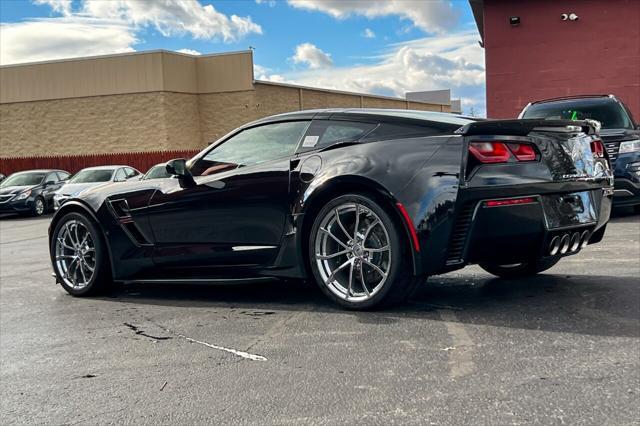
(518, 233)
(627, 180)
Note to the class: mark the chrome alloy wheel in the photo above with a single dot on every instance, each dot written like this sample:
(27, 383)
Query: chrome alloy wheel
(353, 252)
(39, 207)
(75, 254)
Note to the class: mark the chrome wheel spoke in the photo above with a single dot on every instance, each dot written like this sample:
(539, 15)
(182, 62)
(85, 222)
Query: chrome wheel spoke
(331, 256)
(339, 222)
(336, 239)
(376, 268)
(364, 284)
(86, 264)
(350, 280)
(335, 271)
(357, 225)
(64, 245)
(377, 249)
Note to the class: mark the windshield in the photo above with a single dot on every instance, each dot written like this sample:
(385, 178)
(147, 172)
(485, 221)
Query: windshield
(607, 111)
(157, 172)
(23, 179)
(92, 175)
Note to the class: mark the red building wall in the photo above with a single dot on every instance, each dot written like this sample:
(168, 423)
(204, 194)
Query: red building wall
(546, 57)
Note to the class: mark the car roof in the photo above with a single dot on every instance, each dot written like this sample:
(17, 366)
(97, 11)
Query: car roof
(41, 171)
(104, 167)
(379, 113)
(603, 98)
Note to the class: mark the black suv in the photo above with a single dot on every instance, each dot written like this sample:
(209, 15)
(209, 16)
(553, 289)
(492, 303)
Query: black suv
(30, 192)
(620, 134)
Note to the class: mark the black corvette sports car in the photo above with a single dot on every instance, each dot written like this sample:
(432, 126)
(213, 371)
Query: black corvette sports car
(365, 202)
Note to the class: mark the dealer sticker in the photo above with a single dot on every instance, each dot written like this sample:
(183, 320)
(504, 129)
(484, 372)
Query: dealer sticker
(310, 141)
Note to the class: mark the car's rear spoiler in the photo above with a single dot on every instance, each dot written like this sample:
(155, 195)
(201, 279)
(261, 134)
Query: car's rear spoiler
(525, 126)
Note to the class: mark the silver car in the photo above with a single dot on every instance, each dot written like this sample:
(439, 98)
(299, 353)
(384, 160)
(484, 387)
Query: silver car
(92, 177)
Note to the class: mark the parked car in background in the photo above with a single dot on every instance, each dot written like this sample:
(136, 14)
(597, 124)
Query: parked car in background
(30, 192)
(159, 171)
(91, 177)
(619, 132)
(365, 202)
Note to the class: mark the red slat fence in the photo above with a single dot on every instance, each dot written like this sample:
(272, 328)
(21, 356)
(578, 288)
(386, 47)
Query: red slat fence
(142, 161)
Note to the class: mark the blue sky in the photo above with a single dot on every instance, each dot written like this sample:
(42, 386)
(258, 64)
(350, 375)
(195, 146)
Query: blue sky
(384, 47)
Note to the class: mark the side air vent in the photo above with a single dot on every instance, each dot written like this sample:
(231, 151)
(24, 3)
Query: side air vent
(458, 241)
(120, 210)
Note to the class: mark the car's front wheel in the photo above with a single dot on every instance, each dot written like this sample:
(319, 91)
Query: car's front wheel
(79, 256)
(39, 207)
(519, 270)
(358, 255)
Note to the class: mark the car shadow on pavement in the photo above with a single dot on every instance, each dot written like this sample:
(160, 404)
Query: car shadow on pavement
(594, 305)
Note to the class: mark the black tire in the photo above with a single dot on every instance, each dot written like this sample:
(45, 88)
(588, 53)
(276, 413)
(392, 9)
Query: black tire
(636, 209)
(39, 207)
(400, 281)
(525, 269)
(101, 278)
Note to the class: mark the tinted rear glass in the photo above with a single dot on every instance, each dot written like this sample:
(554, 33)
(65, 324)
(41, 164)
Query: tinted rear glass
(607, 111)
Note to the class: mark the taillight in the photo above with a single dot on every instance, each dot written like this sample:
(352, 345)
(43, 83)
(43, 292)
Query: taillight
(490, 152)
(523, 152)
(597, 147)
(501, 152)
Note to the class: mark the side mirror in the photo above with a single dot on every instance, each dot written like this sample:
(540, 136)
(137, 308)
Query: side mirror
(178, 167)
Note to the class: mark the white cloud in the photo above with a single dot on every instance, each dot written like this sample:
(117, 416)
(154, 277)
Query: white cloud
(59, 38)
(271, 3)
(171, 17)
(307, 53)
(98, 27)
(59, 6)
(189, 52)
(368, 33)
(453, 62)
(433, 16)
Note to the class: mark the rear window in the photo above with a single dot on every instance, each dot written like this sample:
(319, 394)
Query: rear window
(608, 112)
(323, 133)
(400, 131)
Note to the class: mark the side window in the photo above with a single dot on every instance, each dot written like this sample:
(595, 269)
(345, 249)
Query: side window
(121, 176)
(324, 133)
(63, 176)
(252, 146)
(130, 172)
(51, 178)
(399, 131)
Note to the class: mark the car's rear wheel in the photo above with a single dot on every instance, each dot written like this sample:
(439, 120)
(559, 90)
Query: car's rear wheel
(79, 256)
(358, 255)
(39, 207)
(518, 270)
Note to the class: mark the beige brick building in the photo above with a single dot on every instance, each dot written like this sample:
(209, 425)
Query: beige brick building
(148, 101)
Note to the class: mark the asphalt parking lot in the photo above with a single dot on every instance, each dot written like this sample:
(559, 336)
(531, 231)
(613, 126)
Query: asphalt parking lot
(563, 347)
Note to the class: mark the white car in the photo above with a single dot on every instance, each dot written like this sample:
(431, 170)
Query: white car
(92, 177)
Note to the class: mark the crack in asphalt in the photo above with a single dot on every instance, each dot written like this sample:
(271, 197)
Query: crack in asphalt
(137, 330)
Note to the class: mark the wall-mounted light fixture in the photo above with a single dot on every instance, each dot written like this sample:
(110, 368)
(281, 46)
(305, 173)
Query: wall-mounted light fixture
(569, 17)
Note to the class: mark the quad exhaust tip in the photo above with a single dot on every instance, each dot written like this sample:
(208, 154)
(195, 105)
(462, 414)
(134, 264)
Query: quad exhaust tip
(569, 243)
